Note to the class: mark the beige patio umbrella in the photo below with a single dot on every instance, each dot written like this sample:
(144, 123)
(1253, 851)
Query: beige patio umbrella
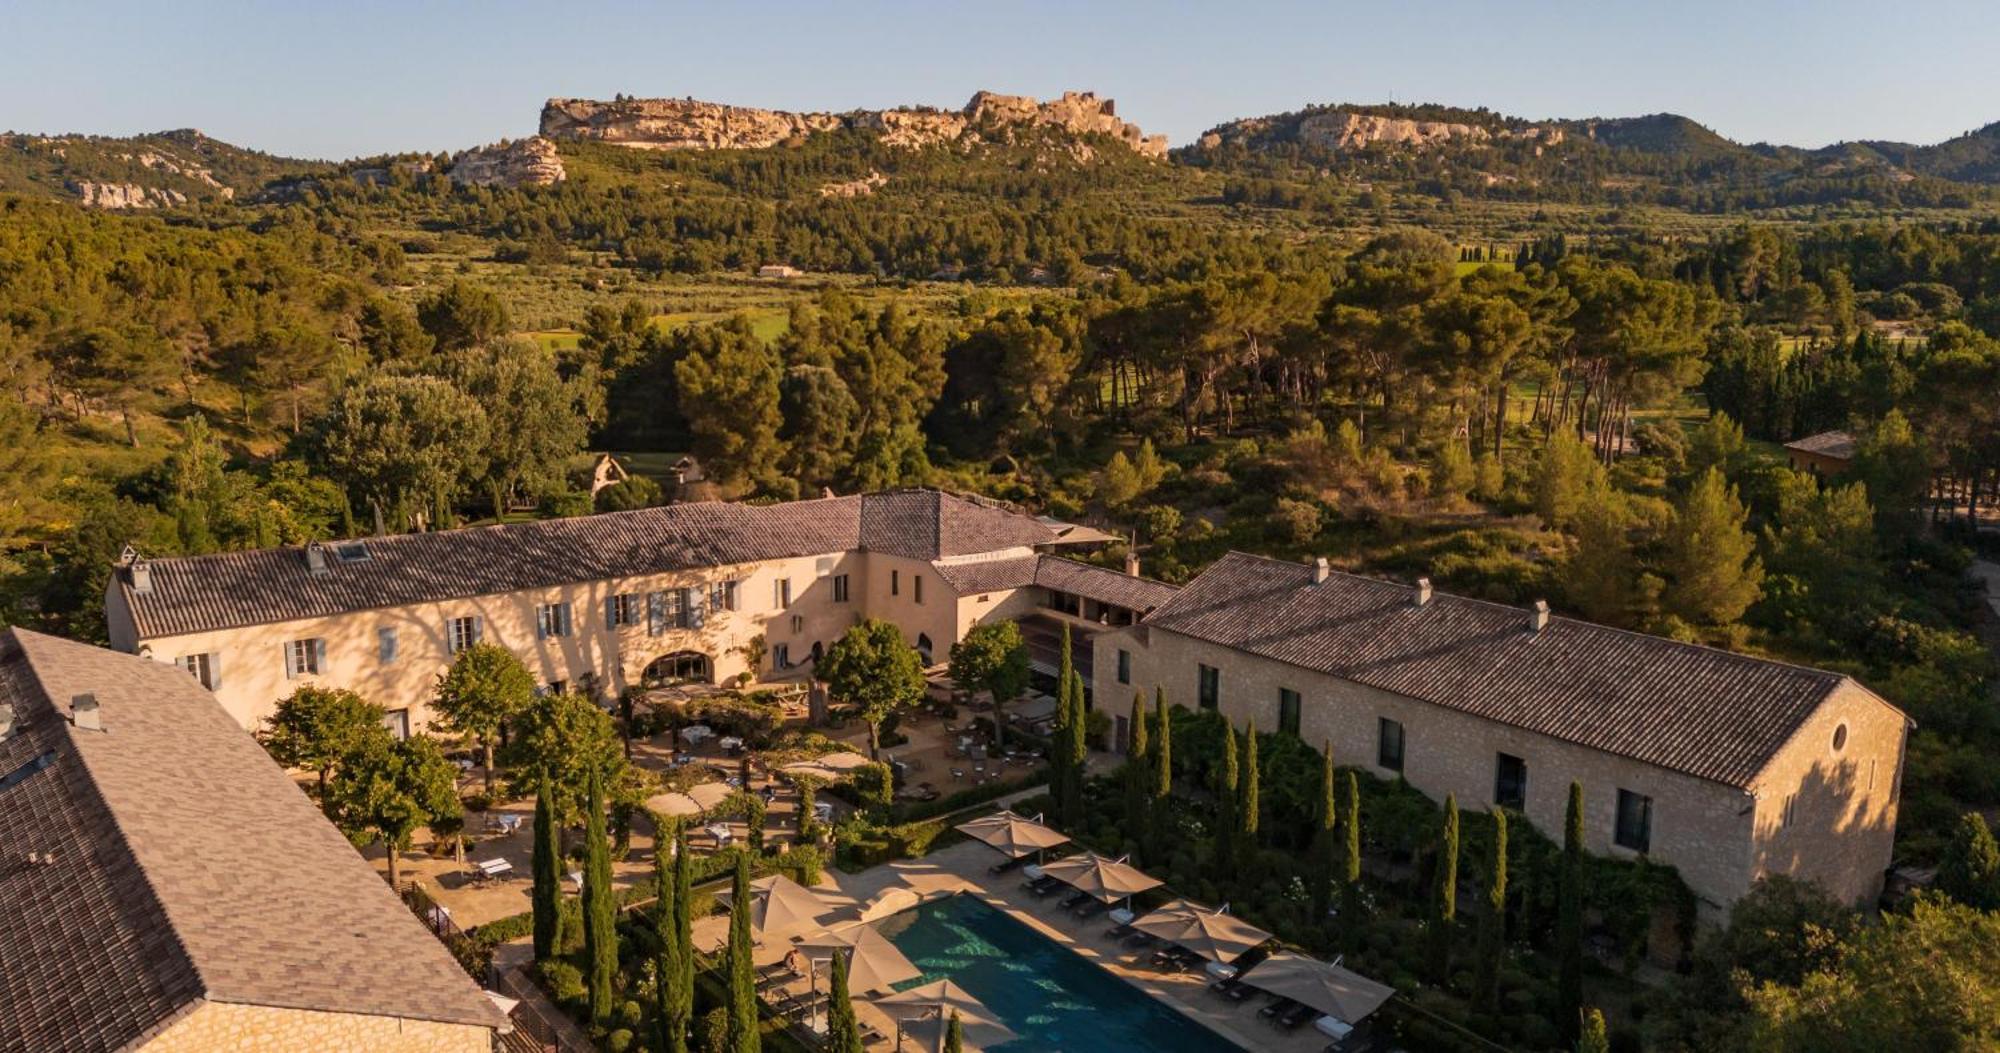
(830, 766)
(780, 906)
(710, 794)
(873, 963)
(923, 1011)
(1013, 834)
(1106, 879)
(1332, 990)
(1212, 934)
(673, 802)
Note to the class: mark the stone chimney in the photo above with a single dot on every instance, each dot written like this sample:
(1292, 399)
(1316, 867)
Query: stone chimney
(1322, 570)
(1538, 616)
(316, 559)
(85, 713)
(1132, 563)
(1423, 596)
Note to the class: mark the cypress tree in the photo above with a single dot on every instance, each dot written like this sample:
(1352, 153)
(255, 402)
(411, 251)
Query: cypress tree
(1492, 927)
(1223, 844)
(1079, 747)
(600, 930)
(547, 870)
(664, 965)
(1163, 773)
(1324, 843)
(1592, 1039)
(680, 1006)
(743, 1036)
(843, 1033)
(1446, 892)
(1138, 780)
(1569, 917)
(1350, 864)
(1248, 811)
(954, 1035)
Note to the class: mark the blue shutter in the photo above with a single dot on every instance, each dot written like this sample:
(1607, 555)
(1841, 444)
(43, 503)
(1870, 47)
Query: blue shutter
(543, 616)
(562, 616)
(478, 628)
(697, 608)
(215, 670)
(319, 655)
(611, 612)
(656, 613)
(286, 650)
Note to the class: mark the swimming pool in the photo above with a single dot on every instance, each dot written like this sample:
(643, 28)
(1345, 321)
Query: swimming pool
(1050, 996)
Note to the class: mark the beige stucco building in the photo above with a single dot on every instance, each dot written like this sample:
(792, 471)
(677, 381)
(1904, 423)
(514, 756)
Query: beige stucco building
(169, 888)
(1723, 766)
(706, 591)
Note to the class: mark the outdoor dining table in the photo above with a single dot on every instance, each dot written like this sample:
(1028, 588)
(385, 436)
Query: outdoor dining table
(491, 869)
(719, 831)
(1120, 916)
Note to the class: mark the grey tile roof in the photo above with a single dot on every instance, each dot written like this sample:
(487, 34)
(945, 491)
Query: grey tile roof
(187, 866)
(988, 575)
(1837, 444)
(1703, 712)
(1102, 584)
(226, 590)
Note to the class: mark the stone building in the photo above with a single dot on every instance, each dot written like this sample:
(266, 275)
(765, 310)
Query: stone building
(168, 888)
(1724, 766)
(1825, 455)
(705, 591)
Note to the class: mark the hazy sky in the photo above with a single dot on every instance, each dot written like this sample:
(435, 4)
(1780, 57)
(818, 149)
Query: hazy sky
(340, 79)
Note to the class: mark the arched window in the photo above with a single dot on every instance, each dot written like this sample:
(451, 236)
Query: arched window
(681, 667)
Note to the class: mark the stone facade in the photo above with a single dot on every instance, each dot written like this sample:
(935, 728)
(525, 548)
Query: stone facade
(223, 1027)
(1841, 804)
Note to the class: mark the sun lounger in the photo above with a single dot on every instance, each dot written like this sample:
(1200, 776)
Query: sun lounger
(1073, 899)
(1291, 1019)
(1276, 1007)
(1141, 940)
(1120, 930)
(1091, 908)
(1042, 886)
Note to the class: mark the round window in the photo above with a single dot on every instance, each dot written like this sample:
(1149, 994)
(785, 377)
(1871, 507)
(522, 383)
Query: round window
(1840, 738)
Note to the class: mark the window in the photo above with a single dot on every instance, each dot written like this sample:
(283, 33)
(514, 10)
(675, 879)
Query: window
(556, 687)
(781, 593)
(722, 596)
(1124, 666)
(304, 657)
(351, 552)
(924, 647)
(552, 619)
(1288, 711)
(1389, 744)
(1209, 687)
(398, 723)
(461, 633)
(199, 666)
(1791, 810)
(1510, 781)
(917, 587)
(586, 685)
(1635, 821)
(621, 610)
(781, 656)
(798, 623)
(895, 583)
(840, 588)
(1840, 738)
(385, 644)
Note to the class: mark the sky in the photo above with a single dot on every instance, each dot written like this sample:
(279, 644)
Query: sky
(359, 77)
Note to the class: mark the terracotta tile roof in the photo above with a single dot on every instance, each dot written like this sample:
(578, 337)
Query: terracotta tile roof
(1102, 584)
(1696, 710)
(187, 867)
(226, 590)
(1838, 444)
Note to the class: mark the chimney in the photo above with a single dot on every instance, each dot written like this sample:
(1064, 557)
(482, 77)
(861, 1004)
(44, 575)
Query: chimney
(85, 713)
(1321, 570)
(1423, 597)
(1131, 563)
(316, 559)
(137, 571)
(1538, 616)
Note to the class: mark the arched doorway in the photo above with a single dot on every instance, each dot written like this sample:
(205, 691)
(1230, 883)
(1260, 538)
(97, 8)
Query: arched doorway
(924, 647)
(818, 652)
(681, 667)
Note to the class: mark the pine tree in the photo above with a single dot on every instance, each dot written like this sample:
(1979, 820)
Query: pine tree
(743, 1036)
(1350, 864)
(1569, 916)
(680, 1005)
(843, 1033)
(1248, 812)
(1138, 779)
(1446, 902)
(547, 870)
(1163, 773)
(1713, 574)
(1969, 871)
(1325, 845)
(1222, 843)
(1493, 926)
(600, 931)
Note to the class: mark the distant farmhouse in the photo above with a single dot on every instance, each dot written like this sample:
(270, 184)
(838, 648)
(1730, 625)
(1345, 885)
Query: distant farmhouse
(168, 888)
(779, 270)
(1826, 455)
(1725, 766)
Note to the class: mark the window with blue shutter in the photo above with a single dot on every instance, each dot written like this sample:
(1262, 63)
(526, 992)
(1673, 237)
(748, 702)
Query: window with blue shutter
(611, 612)
(697, 611)
(318, 655)
(385, 642)
(656, 613)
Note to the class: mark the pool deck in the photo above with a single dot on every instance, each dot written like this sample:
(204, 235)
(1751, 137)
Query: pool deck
(964, 868)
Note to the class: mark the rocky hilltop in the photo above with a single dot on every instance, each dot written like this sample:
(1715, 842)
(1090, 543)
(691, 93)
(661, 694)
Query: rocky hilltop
(689, 124)
(523, 162)
(1340, 130)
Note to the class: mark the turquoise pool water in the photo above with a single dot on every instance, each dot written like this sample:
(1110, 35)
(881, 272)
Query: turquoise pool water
(1051, 997)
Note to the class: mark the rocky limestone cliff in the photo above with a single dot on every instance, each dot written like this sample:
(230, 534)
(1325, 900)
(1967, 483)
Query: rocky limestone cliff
(524, 162)
(1342, 130)
(688, 124)
(124, 195)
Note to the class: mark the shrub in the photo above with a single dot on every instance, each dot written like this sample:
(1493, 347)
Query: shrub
(619, 1041)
